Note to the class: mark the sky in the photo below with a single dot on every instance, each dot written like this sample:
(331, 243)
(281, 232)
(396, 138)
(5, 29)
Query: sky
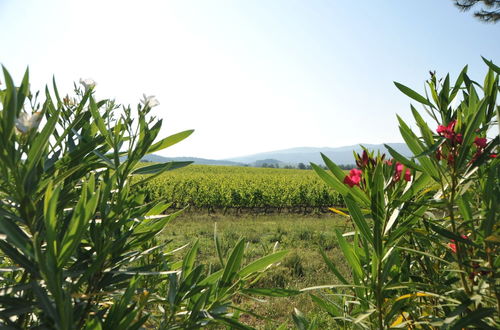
(250, 76)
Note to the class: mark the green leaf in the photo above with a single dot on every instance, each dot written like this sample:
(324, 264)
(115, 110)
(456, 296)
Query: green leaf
(402, 159)
(327, 306)
(417, 148)
(218, 247)
(98, 120)
(359, 219)
(430, 255)
(82, 214)
(169, 141)
(378, 209)
(491, 65)
(349, 254)
(233, 263)
(424, 128)
(16, 236)
(160, 168)
(458, 83)
(470, 132)
(332, 267)
(473, 318)
(18, 258)
(272, 292)
(330, 180)
(189, 259)
(23, 90)
(39, 145)
(261, 264)
(93, 324)
(412, 94)
(448, 234)
(10, 106)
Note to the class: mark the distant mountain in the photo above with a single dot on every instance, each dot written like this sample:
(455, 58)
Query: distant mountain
(341, 155)
(200, 161)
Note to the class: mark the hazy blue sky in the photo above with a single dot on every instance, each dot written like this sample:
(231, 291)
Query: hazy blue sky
(250, 76)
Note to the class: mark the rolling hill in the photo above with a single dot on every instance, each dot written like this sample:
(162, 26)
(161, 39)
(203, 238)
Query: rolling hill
(340, 155)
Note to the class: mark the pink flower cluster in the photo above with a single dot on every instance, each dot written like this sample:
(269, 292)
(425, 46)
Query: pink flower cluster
(449, 133)
(456, 139)
(354, 177)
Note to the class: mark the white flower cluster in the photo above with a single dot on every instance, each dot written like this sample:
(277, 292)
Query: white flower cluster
(87, 83)
(150, 101)
(26, 123)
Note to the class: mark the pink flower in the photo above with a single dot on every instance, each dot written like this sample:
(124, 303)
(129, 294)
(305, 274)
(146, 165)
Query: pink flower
(453, 246)
(449, 133)
(480, 142)
(446, 131)
(355, 172)
(354, 177)
(408, 175)
(493, 156)
(399, 171)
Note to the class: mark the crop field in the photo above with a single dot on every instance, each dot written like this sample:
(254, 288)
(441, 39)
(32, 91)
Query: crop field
(242, 189)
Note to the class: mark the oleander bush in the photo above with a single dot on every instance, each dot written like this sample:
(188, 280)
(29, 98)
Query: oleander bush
(424, 247)
(78, 242)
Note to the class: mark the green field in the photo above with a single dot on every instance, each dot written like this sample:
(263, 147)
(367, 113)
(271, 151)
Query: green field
(303, 266)
(242, 189)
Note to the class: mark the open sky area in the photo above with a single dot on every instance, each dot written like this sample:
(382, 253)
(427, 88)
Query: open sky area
(250, 76)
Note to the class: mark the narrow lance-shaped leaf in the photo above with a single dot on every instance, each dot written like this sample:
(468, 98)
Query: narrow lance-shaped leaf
(261, 263)
(169, 141)
(412, 94)
(378, 209)
(233, 263)
(359, 219)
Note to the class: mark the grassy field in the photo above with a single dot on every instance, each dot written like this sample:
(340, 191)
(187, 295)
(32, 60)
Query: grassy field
(303, 266)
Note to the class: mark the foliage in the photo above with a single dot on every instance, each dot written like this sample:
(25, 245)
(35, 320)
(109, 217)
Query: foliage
(423, 252)
(78, 246)
(204, 187)
(489, 12)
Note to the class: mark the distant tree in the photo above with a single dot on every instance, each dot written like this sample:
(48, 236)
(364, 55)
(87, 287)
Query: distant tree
(347, 166)
(489, 10)
(301, 166)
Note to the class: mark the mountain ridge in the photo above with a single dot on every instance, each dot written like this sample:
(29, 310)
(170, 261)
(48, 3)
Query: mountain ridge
(292, 156)
(340, 155)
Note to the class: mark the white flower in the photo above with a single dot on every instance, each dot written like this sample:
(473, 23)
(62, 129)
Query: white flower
(150, 101)
(87, 83)
(26, 122)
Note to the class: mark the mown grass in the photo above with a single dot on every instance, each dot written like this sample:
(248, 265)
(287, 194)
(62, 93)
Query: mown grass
(303, 266)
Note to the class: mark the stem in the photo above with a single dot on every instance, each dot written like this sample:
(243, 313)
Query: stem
(451, 212)
(378, 293)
